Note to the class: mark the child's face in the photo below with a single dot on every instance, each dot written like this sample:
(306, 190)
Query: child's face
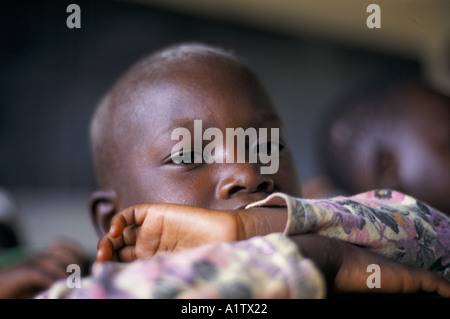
(424, 150)
(220, 95)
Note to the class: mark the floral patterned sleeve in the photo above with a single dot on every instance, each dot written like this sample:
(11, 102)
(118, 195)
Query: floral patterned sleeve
(387, 222)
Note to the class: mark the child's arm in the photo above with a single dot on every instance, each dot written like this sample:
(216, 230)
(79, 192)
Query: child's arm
(343, 265)
(144, 230)
(327, 215)
(263, 267)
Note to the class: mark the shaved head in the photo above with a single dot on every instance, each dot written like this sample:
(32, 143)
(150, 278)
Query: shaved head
(127, 102)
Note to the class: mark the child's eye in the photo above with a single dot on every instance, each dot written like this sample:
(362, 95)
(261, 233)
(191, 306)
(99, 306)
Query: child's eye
(184, 157)
(267, 147)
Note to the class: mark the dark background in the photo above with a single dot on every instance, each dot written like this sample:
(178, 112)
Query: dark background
(52, 77)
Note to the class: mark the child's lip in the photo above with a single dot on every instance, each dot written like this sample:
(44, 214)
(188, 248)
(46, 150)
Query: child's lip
(242, 206)
(253, 200)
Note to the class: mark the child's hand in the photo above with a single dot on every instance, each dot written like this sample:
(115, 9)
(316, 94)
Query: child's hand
(345, 268)
(144, 230)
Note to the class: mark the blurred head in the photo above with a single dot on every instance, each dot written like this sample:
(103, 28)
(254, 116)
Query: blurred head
(132, 127)
(394, 137)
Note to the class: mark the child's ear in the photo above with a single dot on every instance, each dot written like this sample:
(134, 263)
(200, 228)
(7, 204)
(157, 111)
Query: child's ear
(103, 205)
(387, 170)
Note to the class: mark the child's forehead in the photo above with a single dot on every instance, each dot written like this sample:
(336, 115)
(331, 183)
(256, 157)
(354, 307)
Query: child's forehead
(203, 86)
(170, 105)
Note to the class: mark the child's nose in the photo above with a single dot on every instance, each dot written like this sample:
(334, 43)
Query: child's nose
(243, 177)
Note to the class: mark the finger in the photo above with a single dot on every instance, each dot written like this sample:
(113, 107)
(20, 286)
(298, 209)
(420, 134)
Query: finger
(116, 243)
(394, 277)
(415, 280)
(127, 254)
(432, 282)
(409, 280)
(127, 217)
(130, 235)
(443, 289)
(118, 224)
(105, 249)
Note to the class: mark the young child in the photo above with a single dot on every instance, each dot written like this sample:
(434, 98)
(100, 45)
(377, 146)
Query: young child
(223, 221)
(393, 135)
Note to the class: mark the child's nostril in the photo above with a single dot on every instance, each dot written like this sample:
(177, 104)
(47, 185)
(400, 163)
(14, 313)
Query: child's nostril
(263, 186)
(236, 189)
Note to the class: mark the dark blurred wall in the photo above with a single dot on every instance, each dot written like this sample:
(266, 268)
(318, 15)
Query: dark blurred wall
(52, 77)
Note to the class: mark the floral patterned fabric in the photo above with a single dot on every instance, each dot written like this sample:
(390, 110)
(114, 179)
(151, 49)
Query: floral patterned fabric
(264, 267)
(386, 222)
